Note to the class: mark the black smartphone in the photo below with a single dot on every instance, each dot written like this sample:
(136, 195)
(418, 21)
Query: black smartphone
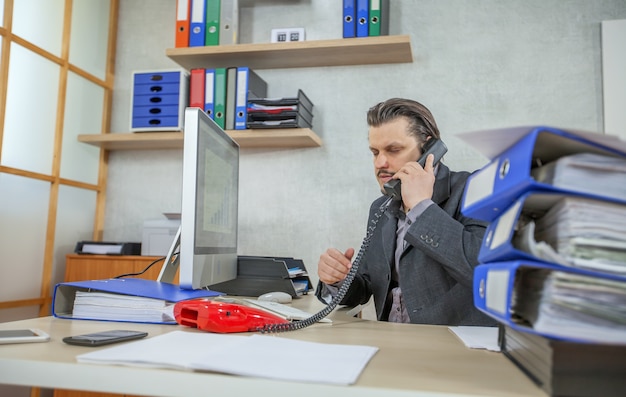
(104, 337)
(434, 146)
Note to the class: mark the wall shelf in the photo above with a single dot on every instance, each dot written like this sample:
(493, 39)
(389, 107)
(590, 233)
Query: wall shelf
(315, 53)
(337, 52)
(270, 138)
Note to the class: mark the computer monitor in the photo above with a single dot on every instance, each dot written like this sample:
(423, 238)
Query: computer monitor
(205, 247)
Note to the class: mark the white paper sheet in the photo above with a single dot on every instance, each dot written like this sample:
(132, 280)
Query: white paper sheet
(256, 355)
(493, 142)
(478, 337)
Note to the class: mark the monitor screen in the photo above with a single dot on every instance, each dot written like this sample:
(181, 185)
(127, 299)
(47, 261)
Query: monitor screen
(210, 188)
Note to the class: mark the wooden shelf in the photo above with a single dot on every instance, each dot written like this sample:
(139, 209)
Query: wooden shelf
(298, 54)
(270, 138)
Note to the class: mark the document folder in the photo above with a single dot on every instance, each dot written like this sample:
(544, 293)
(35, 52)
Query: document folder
(249, 85)
(257, 275)
(229, 22)
(560, 228)
(212, 33)
(564, 368)
(349, 18)
(231, 98)
(219, 98)
(197, 27)
(493, 188)
(182, 23)
(197, 88)
(379, 18)
(209, 92)
(552, 300)
(65, 293)
(362, 18)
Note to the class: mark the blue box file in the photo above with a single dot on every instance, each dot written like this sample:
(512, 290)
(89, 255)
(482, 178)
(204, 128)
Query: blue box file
(157, 89)
(156, 111)
(158, 100)
(155, 123)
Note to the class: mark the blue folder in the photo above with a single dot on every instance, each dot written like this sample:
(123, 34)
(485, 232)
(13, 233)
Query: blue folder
(64, 293)
(498, 243)
(249, 85)
(362, 18)
(349, 19)
(197, 26)
(496, 293)
(492, 189)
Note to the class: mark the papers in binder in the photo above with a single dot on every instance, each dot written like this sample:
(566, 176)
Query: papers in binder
(553, 301)
(586, 233)
(513, 172)
(114, 307)
(590, 308)
(568, 230)
(122, 299)
(586, 173)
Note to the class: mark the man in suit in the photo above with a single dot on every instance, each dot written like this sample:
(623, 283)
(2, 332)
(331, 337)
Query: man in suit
(420, 260)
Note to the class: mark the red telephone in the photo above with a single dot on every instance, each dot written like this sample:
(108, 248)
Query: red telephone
(223, 317)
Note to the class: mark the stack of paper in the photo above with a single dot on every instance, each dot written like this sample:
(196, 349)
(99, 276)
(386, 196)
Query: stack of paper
(257, 355)
(291, 112)
(115, 307)
(585, 233)
(587, 173)
(564, 303)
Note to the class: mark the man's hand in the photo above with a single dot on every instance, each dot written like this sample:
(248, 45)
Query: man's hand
(417, 182)
(334, 265)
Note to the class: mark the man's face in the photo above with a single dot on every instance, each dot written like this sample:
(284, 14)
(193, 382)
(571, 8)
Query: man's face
(392, 147)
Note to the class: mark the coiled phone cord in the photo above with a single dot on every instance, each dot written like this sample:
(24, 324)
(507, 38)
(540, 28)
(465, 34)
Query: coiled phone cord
(295, 325)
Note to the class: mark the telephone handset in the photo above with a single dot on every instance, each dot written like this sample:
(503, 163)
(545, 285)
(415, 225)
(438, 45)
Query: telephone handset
(434, 146)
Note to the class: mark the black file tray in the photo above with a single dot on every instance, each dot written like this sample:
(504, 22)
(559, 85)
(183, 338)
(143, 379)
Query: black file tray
(257, 275)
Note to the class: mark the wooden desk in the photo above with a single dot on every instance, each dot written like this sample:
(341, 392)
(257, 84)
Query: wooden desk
(413, 360)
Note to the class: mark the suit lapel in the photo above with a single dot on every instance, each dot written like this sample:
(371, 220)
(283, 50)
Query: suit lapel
(389, 226)
(441, 190)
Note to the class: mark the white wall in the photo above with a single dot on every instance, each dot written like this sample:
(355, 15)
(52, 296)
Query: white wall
(614, 76)
(476, 64)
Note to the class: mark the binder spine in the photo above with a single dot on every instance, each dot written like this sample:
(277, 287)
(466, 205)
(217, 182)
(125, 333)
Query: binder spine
(349, 19)
(229, 22)
(209, 92)
(362, 18)
(196, 89)
(212, 34)
(220, 97)
(198, 23)
(182, 23)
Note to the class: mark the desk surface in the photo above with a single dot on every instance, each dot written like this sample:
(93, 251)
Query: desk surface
(413, 360)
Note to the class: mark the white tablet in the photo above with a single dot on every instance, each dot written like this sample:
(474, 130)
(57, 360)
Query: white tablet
(23, 336)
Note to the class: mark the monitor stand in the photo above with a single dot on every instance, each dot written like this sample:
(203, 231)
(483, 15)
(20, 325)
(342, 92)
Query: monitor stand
(170, 265)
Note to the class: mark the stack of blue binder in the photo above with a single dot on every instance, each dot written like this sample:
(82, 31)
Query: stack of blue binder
(553, 260)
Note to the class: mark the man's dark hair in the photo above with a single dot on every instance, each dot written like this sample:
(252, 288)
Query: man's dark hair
(421, 122)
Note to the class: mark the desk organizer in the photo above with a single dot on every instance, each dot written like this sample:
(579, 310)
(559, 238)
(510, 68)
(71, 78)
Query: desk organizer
(257, 275)
(158, 101)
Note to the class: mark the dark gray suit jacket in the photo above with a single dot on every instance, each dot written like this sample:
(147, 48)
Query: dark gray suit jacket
(436, 269)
